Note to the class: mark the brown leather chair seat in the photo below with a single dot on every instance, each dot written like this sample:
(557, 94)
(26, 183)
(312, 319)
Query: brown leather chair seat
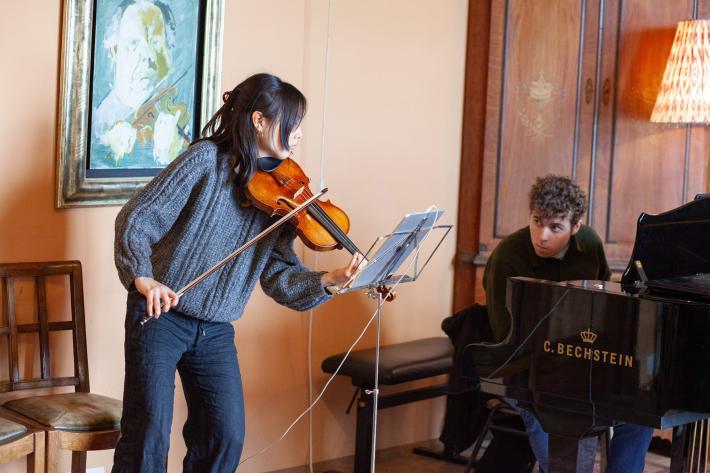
(10, 430)
(75, 412)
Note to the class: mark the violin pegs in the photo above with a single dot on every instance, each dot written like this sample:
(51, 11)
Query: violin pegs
(389, 294)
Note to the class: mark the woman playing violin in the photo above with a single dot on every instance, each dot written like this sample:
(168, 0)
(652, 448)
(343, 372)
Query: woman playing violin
(187, 218)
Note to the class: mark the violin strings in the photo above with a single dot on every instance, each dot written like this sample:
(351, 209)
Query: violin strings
(332, 227)
(321, 216)
(324, 219)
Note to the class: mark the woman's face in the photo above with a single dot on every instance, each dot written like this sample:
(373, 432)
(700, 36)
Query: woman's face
(269, 142)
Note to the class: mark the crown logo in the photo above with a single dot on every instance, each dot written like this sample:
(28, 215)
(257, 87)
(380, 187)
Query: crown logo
(588, 336)
(541, 89)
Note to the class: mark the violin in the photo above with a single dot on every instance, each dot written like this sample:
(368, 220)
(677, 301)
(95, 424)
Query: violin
(279, 186)
(164, 101)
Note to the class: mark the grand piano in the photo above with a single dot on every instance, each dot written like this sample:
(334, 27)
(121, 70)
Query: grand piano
(587, 355)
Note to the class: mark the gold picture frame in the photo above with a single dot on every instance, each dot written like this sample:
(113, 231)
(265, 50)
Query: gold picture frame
(75, 186)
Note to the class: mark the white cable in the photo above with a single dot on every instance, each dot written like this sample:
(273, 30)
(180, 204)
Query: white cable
(321, 186)
(320, 395)
(310, 381)
(321, 183)
(347, 354)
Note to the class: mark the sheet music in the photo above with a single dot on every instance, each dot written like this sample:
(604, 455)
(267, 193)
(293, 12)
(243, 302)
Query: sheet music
(395, 249)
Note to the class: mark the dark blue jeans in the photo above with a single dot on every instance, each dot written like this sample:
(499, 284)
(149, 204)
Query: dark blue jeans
(206, 359)
(627, 451)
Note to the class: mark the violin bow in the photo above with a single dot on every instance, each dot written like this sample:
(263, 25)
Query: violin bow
(245, 246)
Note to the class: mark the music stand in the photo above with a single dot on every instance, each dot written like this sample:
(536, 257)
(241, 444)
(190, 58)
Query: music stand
(389, 253)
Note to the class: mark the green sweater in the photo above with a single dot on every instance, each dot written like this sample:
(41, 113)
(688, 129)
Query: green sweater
(515, 256)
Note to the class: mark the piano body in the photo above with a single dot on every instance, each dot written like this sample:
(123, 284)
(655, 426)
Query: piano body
(593, 354)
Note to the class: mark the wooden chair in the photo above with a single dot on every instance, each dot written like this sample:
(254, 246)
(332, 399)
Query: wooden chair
(17, 441)
(77, 421)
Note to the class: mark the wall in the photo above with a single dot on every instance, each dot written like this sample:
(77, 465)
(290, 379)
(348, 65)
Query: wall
(392, 140)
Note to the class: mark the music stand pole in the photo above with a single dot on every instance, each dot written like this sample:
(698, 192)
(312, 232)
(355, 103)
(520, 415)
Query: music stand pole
(376, 391)
(384, 266)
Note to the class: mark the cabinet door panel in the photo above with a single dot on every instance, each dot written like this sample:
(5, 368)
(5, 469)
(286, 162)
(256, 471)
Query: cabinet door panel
(536, 100)
(570, 89)
(640, 166)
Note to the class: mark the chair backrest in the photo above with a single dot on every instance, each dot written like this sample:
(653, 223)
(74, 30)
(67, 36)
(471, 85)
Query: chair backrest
(10, 273)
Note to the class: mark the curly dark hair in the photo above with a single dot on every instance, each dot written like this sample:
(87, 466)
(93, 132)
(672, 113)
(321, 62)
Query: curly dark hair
(552, 196)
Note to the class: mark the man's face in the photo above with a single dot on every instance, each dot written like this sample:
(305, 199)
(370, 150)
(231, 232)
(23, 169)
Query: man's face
(141, 54)
(551, 235)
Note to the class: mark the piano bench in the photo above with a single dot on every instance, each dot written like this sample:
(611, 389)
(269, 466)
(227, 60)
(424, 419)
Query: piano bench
(399, 363)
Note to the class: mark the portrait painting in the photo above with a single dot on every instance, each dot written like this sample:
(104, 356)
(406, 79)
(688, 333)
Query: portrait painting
(150, 81)
(143, 82)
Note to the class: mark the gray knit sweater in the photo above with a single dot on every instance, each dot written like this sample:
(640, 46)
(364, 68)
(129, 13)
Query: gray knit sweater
(187, 219)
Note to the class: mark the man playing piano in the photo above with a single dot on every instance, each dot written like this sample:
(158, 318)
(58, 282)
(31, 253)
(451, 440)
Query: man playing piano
(557, 247)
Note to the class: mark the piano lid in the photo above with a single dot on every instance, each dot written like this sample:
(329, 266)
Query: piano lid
(671, 244)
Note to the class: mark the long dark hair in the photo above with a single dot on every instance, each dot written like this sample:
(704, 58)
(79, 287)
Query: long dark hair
(231, 128)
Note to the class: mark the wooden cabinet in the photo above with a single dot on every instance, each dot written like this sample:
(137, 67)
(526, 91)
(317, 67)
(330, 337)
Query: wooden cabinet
(570, 89)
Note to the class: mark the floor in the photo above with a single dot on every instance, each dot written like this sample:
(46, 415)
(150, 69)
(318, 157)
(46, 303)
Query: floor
(402, 460)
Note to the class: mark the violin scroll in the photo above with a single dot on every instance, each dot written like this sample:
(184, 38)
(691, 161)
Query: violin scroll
(389, 294)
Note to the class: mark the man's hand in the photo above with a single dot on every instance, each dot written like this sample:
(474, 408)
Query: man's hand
(158, 297)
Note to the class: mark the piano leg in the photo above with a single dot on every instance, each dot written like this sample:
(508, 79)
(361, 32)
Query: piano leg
(678, 448)
(571, 454)
(689, 449)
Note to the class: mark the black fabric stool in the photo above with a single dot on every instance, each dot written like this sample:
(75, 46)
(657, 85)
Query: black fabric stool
(399, 363)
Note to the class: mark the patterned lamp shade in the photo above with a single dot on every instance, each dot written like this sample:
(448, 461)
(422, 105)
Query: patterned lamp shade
(684, 96)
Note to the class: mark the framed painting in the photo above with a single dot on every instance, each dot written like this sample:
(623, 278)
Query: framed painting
(139, 79)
